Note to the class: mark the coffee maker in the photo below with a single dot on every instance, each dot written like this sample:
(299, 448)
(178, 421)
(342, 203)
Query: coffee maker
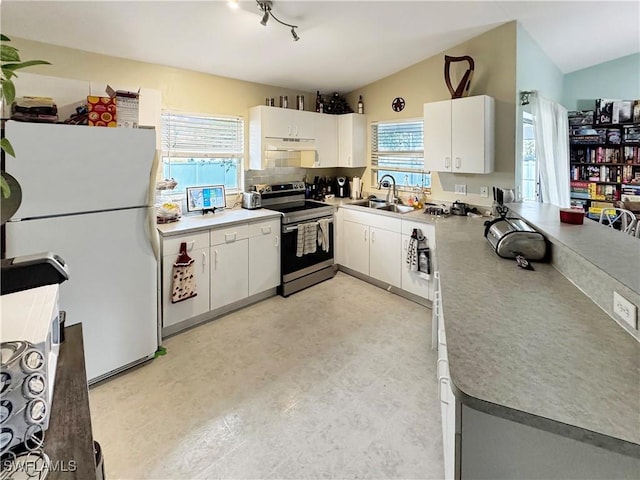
(342, 187)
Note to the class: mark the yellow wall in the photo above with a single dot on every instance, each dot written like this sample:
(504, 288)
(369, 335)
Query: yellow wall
(495, 74)
(494, 54)
(182, 90)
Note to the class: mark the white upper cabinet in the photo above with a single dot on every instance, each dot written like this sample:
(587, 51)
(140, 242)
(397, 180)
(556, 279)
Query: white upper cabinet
(459, 135)
(326, 141)
(352, 140)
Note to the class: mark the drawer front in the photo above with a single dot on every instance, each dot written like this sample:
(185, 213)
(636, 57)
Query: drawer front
(267, 227)
(171, 245)
(231, 234)
(408, 226)
(384, 222)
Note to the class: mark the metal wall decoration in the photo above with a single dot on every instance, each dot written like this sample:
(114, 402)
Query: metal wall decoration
(462, 90)
(397, 104)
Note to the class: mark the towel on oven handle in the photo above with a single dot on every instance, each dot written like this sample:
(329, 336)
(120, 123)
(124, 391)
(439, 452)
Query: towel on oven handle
(323, 234)
(307, 238)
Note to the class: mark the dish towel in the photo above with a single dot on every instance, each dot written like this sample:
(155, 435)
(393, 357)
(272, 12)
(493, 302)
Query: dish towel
(323, 234)
(412, 253)
(183, 284)
(307, 238)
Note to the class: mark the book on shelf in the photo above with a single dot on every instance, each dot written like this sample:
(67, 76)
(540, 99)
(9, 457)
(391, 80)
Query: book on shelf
(580, 117)
(613, 136)
(631, 155)
(631, 134)
(636, 111)
(610, 111)
(604, 110)
(622, 111)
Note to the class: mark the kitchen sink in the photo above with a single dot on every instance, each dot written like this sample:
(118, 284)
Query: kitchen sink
(397, 208)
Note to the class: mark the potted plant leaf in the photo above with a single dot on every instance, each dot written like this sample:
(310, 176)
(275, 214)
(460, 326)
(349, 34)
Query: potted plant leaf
(10, 59)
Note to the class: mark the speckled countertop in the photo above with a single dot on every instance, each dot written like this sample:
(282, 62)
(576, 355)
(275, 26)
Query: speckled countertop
(611, 251)
(229, 217)
(530, 347)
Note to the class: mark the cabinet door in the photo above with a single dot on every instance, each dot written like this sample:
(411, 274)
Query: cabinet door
(412, 281)
(468, 142)
(437, 136)
(303, 124)
(264, 257)
(326, 141)
(355, 244)
(385, 258)
(173, 313)
(352, 140)
(276, 122)
(229, 273)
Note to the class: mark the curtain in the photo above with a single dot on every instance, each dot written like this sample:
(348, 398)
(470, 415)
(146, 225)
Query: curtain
(551, 134)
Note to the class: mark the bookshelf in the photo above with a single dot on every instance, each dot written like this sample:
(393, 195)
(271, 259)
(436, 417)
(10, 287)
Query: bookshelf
(604, 157)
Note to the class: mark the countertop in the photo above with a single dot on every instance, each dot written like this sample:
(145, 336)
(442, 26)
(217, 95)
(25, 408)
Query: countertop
(530, 347)
(69, 440)
(193, 223)
(615, 253)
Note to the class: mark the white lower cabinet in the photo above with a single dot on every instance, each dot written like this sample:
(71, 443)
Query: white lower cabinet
(231, 263)
(229, 272)
(418, 283)
(355, 245)
(385, 258)
(198, 250)
(264, 256)
(376, 245)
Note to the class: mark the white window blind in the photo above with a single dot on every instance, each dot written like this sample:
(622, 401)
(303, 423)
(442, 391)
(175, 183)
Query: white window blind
(199, 149)
(397, 149)
(202, 135)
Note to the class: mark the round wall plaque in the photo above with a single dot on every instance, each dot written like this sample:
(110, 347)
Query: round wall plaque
(398, 104)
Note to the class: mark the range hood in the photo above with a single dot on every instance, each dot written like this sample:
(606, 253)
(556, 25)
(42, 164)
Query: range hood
(289, 144)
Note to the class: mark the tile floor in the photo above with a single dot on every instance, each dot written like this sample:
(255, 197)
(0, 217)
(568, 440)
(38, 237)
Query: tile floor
(336, 381)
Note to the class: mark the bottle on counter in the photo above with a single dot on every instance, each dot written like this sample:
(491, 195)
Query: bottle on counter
(360, 105)
(318, 101)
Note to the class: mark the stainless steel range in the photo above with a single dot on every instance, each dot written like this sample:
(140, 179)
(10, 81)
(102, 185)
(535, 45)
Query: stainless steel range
(300, 271)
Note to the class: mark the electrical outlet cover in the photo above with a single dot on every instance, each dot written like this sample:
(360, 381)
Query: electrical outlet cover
(484, 192)
(625, 310)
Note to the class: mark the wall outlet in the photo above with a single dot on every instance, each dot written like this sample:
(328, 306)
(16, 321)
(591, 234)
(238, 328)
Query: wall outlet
(461, 189)
(625, 310)
(484, 192)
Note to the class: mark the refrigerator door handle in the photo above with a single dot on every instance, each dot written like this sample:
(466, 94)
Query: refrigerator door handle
(154, 236)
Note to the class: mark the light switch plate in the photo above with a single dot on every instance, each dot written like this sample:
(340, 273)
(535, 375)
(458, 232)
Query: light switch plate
(484, 192)
(461, 189)
(625, 310)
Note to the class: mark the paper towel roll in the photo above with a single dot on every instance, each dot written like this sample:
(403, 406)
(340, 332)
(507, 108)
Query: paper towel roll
(355, 189)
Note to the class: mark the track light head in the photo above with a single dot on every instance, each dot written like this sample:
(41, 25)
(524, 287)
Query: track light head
(265, 6)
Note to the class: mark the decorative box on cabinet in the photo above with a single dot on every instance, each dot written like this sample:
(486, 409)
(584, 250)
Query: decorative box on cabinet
(459, 135)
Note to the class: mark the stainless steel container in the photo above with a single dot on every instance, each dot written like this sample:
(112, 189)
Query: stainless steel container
(300, 102)
(510, 237)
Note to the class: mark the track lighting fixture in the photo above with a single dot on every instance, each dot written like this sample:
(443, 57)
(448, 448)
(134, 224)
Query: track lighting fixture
(265, 6)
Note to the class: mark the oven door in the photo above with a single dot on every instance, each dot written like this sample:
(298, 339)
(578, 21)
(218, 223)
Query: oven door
(295, 267)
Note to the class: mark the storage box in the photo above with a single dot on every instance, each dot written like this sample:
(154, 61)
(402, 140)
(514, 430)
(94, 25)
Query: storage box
(574, 216)
(127, 106)
(102, 111)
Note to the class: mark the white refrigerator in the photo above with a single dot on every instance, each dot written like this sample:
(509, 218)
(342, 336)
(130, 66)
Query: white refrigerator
(87, 195)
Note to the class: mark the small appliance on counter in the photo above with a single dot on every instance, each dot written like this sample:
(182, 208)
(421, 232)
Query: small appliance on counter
(459, 208)
(31, 271)
(512, 237)
(342, 187)
(251, 200)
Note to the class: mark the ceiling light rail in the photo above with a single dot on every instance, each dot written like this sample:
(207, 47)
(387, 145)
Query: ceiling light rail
(266, 7)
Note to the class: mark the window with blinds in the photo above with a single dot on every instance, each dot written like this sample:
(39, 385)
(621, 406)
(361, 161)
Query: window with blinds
(200, 149)
(397, 149)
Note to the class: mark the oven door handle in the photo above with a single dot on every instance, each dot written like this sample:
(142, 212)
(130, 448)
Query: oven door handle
(293, 228)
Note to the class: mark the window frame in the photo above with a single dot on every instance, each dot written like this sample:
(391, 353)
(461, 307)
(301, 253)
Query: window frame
(237, 155)
(409, 154)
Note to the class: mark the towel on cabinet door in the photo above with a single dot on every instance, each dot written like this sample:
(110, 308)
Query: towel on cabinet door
(307, 238)
(412, 253)
(183, 285)
(323, 234)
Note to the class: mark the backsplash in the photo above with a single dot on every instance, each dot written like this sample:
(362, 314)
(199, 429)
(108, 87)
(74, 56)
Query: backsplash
(286, 174)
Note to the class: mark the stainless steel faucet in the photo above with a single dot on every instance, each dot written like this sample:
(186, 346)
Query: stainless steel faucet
(389, 191)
